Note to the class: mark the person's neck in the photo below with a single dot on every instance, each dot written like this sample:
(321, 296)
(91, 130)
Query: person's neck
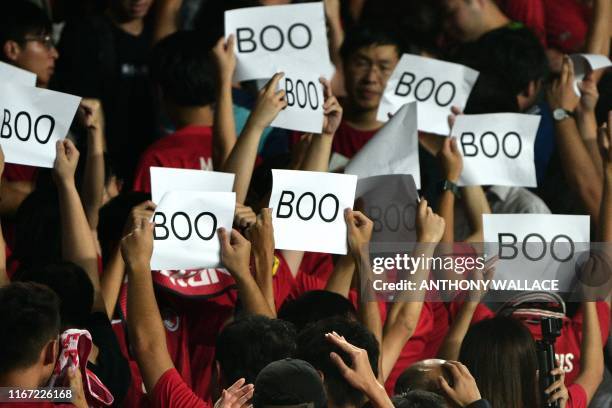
(192, 116)
(494, 19)
(133, 26)
(362, 119)
(23, 378)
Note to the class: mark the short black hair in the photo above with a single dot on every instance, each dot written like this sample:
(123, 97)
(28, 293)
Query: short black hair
(71, 284)
(248, 344)
(183, 69)
(30, 313)
(419, 399)
(316, 305)
(491, 94)
(515, 54)
(313, 346)
(368, 35)
(20, 18)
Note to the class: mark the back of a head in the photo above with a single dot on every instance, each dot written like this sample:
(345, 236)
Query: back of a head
(183, 69)
(31, 314)
(370, 35)
(316, 305)
(419, 399)
(501, 355)
(248, 344)
(289, 382)
(491, 94)
(312, 346)
(21, 18)
(514, 54)
(71, 284)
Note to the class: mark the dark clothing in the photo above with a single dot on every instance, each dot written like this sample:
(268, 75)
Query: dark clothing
(480, 404)
(98, 60)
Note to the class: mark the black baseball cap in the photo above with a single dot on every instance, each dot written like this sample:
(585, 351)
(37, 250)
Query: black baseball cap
(289, 383)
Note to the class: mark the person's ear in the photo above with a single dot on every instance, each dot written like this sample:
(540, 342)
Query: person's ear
(50, 351)
(11, 50)
(321, 375)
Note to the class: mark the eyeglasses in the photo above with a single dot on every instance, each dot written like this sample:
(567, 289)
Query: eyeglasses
(45, 40)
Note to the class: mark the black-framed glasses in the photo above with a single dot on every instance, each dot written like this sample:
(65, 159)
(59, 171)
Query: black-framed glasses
(46, 41)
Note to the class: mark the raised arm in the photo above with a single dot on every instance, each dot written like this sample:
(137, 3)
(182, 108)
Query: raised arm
(475, 204)
(92, 185)
(591, 352)
(581, 174)
(261, 235)
(404, 316)
(451, 162)
(77, 241)
(4, 280)
(224, 127)
(235, 256)
(242, 158)
(598, 36)
(586, 120)
(605, 141)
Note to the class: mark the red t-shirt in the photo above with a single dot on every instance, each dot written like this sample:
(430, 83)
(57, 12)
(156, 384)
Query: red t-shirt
(187, 148)
(171, 391)
(348, 140)
(577, 397)
(19, 172)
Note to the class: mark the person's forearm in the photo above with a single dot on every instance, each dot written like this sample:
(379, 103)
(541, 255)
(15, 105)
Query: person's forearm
(475, 204)
(264, 263)
(340, 280)
(591, 350)
(447, 211)
(166, 18)
(578, 166)
(77, 240)
(378, 397)
(606, 206)
(587, 126)
(224, 128)
(111, 280)
(241, 160)
(458, 329)
(253, 301)
(92, 188)
(4, 280)
(318, 153)
(598, 36)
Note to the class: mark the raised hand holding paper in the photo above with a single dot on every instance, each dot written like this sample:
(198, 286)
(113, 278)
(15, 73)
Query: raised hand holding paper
(33, 119)
(497, 149)
(394, 149)
(304, 95)
(13, 75)
(436, 85)
(585, 63)
(277, 36)
(164, 180)
(185, 234)
(308, 210)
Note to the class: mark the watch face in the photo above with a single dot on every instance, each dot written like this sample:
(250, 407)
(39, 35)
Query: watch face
(559, 114)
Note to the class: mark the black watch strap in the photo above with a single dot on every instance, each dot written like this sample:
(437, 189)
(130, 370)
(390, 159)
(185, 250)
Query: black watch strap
(452, 187)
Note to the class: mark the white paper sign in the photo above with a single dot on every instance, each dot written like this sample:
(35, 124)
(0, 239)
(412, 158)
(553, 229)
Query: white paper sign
(12, 75)
(585, 63)
(165, 179)
(535, 247)
(497, 149)
(436, 85)
(394, 149)
(32, 121)
(277, 36)
(185, 234)
(304, 94)
(308, 210)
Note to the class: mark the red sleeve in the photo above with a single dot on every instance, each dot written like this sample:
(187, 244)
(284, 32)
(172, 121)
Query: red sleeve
(19, 172)
(142, 179)
(171, 391)
(529, 12)
(577, 396)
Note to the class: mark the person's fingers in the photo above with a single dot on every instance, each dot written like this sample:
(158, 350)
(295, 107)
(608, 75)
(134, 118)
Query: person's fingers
(558, 371)
(236, 386)
(422, 210)
(280, 95)
(554, 386)
(456, 373)
(348, 217)
(266, 216)
(341, 343)
(429, 211)
(236, 237)
(561, 394)
(456, 110)
(570, 69)
(445, 387)
(231, 40)
(565, 70)
(146, 205)
(361, 218)
(223, 238)
(60, 149)
(327, 91)
(248, 394)
(273, 83)
(337, 360)
(453, 145)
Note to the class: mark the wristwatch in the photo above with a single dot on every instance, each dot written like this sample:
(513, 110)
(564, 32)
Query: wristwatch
(560, 114)
(452, 187)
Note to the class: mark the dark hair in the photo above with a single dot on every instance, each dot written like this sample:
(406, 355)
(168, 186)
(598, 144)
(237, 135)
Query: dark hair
(31, 314)
(246, 345)
(312, 346)
(491, 94)
(38, 228)
(366, 36)
(419, 399)
(501, 355)
(183, 69)
(316, 305)
(515, 54)
(71, 284)
(20, 18)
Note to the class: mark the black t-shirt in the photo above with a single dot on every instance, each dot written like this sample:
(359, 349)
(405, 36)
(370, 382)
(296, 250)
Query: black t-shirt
(111, 367)
(99, 60)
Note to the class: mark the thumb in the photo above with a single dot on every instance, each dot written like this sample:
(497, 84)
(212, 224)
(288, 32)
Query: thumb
(60, 149)
(223, 238)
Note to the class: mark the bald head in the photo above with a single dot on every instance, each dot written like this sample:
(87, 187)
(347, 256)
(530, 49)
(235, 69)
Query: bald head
(423, 375)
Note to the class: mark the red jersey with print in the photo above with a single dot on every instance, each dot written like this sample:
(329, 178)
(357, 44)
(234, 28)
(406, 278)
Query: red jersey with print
(187, 148)
(171, 392)
(348, 140)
